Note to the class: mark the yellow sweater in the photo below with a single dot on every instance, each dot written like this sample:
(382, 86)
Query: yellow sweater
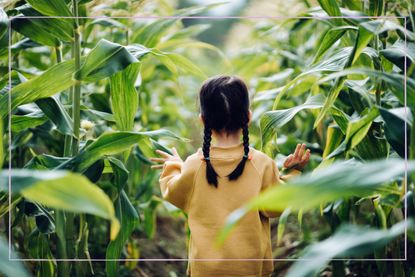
(184, 185)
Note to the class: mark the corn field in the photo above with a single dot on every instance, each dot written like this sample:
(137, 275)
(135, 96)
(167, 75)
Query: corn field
(89, 89)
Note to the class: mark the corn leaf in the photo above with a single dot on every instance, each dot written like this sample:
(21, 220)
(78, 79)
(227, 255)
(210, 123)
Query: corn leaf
(340, 180)
(183, 63)
(334, 63)
(395, 82)
(61, 190)
(104, 60)
(54, 110)
(7, 267)
(272, 120)
(128, 217)
(23, 122)
(51, 7)
(61, 28)
(350, 241)
(151, 34)
(282, 221)
(3, 22)
(327, 184)
(329, 39)
(55, 79)
(397, 53)
(1, 144)
(124, 97)
(356, 132)
(334, 138)
(27, 28)
(110, 144)
(332, 8)
(395, 128)
(363, 38)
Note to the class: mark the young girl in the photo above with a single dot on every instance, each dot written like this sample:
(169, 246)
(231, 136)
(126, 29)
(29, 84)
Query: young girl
(220, 178)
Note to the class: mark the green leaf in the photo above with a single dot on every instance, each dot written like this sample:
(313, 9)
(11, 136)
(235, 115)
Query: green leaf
(61, 28)
(51, 7)
(185, 33)
(334, 63)
(124, 97)
(57, 78)
(120, 173)
(7, 267)
(349, 241)
(328, 40)
(395, 82)
(1, 144)
(23, 122)
(104, 60)
(330, 183)
(45, 161)
(27, 28)
(62, 190)
(334, 138)
(339, 180)
(358, 128)
(128, 217)
(332, 9)
(150, 34)
(379, 26)
(4, 21)
(341, 118)
(363, 38)
(183, 63)
(94, 113)
(372, 147)
(282, 221)
(356, 132)
(395, 120)
(110, 144)
(397, 53)
(39, 247)
(54, 110)
(272, 120)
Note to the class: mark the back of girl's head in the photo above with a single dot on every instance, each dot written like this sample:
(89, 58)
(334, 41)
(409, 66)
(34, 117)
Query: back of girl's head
(224, 105)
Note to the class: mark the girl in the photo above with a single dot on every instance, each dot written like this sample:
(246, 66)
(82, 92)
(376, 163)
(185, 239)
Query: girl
(220, 178)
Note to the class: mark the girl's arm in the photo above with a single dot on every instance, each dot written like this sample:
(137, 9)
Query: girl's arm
(176, 178)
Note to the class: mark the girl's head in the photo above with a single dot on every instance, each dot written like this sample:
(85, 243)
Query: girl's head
(224, 105)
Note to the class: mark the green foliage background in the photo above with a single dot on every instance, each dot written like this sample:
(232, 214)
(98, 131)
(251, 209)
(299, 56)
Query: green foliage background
(92, 98)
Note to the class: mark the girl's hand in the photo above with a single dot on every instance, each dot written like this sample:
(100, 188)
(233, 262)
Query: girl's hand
(166, 157)
(299, 159)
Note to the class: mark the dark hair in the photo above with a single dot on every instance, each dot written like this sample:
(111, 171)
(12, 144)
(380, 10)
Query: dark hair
(224, 105)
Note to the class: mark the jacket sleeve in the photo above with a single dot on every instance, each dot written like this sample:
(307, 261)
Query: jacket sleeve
(271, 178)
(176, 183)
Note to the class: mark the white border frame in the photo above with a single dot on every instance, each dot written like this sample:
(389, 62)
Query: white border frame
(207, 18)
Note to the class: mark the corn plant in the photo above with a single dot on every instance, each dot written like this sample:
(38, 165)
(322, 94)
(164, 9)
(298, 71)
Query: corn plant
(91, 99)
(81, 130)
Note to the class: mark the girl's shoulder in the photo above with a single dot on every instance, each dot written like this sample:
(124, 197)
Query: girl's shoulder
(261, 161)
(260, 156)
(193, 161)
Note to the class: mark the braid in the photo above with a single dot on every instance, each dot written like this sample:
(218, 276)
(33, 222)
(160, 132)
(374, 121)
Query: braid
(240, 168)
(245, 134)
(211, 175)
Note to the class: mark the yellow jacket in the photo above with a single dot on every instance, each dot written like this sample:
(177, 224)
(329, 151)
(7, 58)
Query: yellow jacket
(184, 185)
